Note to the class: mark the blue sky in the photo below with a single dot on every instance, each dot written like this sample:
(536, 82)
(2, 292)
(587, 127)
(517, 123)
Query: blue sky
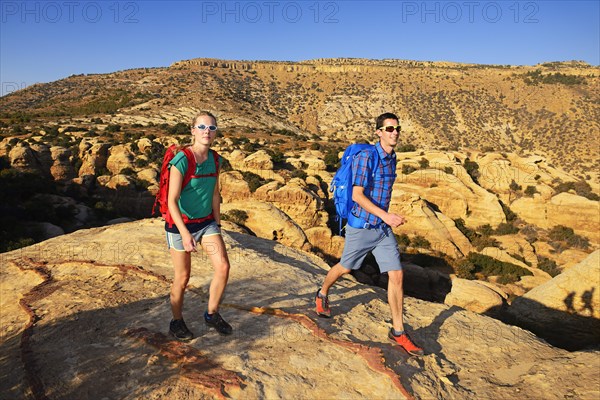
(43, 41)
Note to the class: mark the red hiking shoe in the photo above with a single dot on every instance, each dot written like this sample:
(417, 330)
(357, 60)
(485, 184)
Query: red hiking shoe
(407, 344)
(322, 306)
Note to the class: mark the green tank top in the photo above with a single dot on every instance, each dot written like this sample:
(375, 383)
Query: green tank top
(196, 197)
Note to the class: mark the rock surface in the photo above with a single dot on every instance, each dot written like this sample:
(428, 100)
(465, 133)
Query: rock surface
(85, 316)
(570, 303)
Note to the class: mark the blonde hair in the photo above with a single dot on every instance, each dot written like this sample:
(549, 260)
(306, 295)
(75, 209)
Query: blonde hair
(203, 114)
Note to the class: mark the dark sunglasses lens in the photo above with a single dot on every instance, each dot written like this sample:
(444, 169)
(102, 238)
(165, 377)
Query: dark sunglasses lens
(389, 129)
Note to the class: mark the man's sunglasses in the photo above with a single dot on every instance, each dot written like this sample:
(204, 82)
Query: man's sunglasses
(211, 128)
(391, 128)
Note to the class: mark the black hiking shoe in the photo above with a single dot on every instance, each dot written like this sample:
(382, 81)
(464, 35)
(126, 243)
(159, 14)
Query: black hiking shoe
(217, 322)
(179, 331)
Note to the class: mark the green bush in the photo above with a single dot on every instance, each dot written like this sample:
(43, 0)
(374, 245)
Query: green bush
(405, 148)
(407, 169)
(449, 170)
(254, 181)
(561, 233)
(530, 191)
(420, 242)
(465, 269)
(488, 266)
(403, 240)
(506, 229)
(236, 216)
(424, 163)
(548, 265)
(472, 169)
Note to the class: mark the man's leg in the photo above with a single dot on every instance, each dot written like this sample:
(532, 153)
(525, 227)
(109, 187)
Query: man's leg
(396, 299)
(335, 273)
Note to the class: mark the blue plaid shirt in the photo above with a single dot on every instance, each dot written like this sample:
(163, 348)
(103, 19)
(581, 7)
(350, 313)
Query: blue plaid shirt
(379, 189)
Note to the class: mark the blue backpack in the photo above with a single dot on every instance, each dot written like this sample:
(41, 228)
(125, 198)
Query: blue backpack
(341, 184)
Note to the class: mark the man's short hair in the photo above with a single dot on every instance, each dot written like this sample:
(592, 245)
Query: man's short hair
(383, 117)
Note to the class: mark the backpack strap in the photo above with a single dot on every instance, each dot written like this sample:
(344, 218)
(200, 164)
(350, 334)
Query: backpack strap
(191, 168)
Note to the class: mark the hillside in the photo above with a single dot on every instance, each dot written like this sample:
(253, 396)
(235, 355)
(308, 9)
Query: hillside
(549, 109)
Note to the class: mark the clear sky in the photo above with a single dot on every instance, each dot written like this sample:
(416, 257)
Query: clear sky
(43, 41)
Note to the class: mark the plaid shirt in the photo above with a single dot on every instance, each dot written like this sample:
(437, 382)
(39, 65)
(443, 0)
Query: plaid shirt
(379, 189)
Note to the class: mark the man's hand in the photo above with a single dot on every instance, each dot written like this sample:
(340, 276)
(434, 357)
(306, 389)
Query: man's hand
(394, 220)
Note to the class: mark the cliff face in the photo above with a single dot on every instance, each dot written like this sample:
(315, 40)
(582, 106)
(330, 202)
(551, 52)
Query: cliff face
(85, 315)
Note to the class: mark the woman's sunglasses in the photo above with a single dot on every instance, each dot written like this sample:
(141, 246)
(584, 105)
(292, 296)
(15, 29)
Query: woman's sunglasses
(391, 128)
(211, 128)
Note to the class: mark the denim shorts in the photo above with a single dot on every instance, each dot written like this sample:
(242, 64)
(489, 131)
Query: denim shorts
(381, 241)
(175, 242)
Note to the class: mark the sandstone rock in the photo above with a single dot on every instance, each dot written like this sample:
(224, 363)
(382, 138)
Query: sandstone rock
(566, 209)
(93, 156)
(268, 222)
(120, 181)
(120, 158)
(473, 296)
(570, 303)
(86, 278)
(61, 168)
(439, 230)
(322, 238)
(457, 196)
(233, 186)
(150, 175)
(144, 144)
(518, 245)
(296, 200)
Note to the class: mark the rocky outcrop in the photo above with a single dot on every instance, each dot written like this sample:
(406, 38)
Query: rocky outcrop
(101, 295)
(569, 305)
(93, 156)
(422, 220)
(268, 222)
(473, 296)
(566, 209)
(119, 158)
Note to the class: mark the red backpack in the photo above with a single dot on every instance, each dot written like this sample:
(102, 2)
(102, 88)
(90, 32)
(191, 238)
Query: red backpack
(163, 186)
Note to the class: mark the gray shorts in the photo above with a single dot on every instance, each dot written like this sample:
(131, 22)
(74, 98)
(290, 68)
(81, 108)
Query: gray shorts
(381, 242)
(175, 242)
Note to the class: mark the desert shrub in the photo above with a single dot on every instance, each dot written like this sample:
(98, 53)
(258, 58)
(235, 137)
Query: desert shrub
(315, 146)
(403, 241)
(405, 148)
(420, 242)
(488, 266)
(127, 171)
(112, 128)
(468, 232)
(561, 233)
(407, 169)
(141, 162)
(472, 169)
(298, 173)
(236, 216)
(481, 242)
(465, 269)
(449, 170)
(520, 258)
(277, 156)
(530, 191)
(508, 213)
(506, 229)
(179, 129)
(254, 181)
(548, 265)
(331, 159)
(424, 163)
(514, 186)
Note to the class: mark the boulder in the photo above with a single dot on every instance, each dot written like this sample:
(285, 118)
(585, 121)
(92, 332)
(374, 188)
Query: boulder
(473, 296)
(567, 307)
(266, 221)
(120, 158)
(62, 168)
